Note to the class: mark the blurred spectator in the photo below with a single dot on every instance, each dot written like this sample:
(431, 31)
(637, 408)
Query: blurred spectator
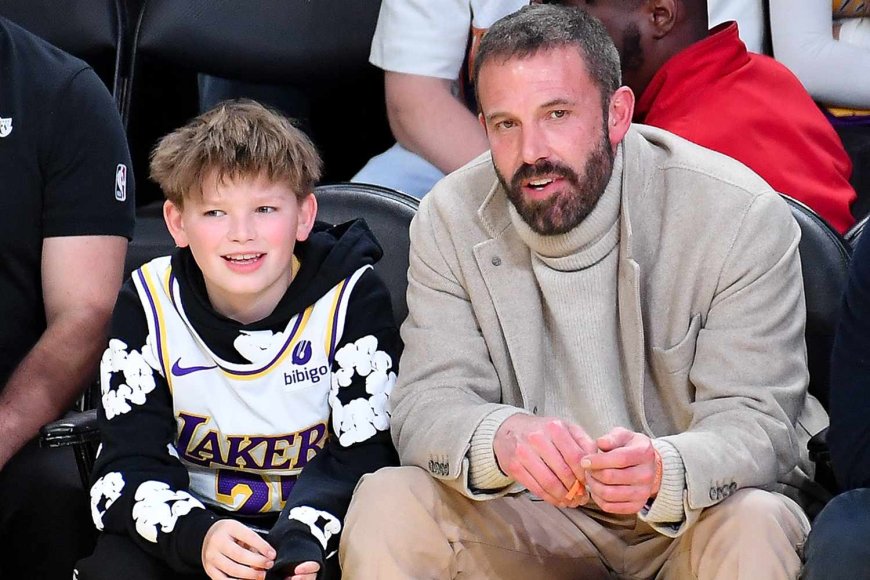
(67, 206)
(838, 540)
(704, 86)
(422, 47)
(828, 48)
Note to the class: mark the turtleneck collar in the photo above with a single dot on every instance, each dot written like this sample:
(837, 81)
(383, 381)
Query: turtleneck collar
(587, 243)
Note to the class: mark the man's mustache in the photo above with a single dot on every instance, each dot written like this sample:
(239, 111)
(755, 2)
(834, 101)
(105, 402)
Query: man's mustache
(543, 168)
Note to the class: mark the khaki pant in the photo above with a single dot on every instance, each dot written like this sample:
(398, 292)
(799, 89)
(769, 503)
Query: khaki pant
(402, 523)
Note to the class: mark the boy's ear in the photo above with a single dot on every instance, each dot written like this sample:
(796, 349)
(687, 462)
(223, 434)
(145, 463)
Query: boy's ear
(174, 223)
(306, 216)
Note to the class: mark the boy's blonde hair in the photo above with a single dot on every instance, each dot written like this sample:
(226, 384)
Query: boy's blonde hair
(237, 139)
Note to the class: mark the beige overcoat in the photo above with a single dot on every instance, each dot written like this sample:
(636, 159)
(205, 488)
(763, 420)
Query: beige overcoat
(711, 320)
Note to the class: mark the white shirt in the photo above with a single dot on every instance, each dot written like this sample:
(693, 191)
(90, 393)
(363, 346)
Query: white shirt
(430, 37)
(749, 15)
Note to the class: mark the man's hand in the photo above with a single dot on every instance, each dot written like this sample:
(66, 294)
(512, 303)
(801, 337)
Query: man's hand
(233, 550)
(543, 454)
(621, 477)
(305, 571)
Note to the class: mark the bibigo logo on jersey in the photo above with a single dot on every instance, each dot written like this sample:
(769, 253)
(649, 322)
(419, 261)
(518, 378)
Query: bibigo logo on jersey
(301, 355)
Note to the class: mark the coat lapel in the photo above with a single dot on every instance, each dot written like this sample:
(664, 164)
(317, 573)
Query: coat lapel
(505, 266)
(630, 315)
(631, 331)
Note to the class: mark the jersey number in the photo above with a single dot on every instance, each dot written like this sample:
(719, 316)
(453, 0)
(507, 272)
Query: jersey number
(256, 493)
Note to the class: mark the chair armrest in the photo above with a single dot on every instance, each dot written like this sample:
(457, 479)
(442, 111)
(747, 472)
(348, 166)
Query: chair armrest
(74, 429)
(818, 447)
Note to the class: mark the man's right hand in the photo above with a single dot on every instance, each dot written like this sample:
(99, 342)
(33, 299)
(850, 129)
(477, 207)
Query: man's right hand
(543, 454)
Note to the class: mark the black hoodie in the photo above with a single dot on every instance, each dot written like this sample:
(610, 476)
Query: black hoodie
(135, 442)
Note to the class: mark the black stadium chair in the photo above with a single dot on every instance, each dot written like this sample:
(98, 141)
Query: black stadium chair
(93, 30)
(825, 257)
(388, 214)
(855, 232)
(319, 47)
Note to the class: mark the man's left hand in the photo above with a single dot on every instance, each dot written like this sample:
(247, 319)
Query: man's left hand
(621, 477)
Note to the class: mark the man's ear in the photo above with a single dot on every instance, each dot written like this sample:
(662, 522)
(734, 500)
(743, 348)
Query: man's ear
(306, 216)
(661, 15)
(620, 111)
(172, 215)
(482, 120)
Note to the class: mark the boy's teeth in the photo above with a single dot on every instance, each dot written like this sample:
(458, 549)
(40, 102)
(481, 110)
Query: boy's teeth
(244, 257)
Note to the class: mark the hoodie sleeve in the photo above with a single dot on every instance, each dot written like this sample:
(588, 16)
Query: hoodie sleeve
(139, 487)
(363, 375)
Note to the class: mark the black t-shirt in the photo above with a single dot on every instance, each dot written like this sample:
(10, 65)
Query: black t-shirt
(64, 171)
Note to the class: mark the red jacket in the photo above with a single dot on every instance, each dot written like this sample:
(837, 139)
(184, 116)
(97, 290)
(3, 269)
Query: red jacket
(750, 107)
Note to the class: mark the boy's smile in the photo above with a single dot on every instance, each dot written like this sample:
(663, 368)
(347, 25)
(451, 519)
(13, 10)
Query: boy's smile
(242, 232)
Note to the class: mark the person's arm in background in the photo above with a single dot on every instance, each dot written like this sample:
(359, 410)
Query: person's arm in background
(421, 45)
(88, 205)
(849, 434)
(426, 118)
(833, 71)
(81, 276)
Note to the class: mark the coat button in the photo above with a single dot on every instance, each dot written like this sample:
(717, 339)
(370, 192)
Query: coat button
(496, 261)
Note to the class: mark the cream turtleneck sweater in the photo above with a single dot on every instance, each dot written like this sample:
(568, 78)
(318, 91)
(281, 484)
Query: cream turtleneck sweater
(577, 279)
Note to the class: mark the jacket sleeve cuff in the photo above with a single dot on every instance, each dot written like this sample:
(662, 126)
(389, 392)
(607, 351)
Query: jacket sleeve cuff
(295, 547)
(668, 504)
(484, 472)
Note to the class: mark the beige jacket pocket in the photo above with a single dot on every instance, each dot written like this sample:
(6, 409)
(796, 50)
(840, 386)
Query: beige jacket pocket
(678, 358)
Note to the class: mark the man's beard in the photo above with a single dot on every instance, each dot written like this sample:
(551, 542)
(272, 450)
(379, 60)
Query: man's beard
(565, 209)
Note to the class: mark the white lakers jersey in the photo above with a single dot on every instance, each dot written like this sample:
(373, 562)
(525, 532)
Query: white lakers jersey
(245, 431)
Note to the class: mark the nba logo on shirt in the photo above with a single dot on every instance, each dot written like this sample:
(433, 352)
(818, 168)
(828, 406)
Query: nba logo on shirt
(5, 126)
(121, 182)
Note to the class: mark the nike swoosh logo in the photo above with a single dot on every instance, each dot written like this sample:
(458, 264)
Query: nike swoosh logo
(180, 371)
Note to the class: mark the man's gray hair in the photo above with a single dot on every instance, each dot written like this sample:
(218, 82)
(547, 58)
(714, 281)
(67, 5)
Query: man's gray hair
(541, 27)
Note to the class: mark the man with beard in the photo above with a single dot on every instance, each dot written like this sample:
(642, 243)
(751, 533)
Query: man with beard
(604, 372)
(706, 87)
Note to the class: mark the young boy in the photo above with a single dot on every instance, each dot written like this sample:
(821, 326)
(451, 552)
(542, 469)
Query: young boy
(248, 374)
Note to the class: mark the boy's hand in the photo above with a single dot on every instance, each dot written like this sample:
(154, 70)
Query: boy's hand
(305, 571)
(621, 477)
(233, 550)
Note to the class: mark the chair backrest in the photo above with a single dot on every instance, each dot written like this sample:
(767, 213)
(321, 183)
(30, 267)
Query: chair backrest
(855, 231)
(92, 30)
(150, 240)
(276, 41)
(387, 212)
(319, 47)
(825, 257)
